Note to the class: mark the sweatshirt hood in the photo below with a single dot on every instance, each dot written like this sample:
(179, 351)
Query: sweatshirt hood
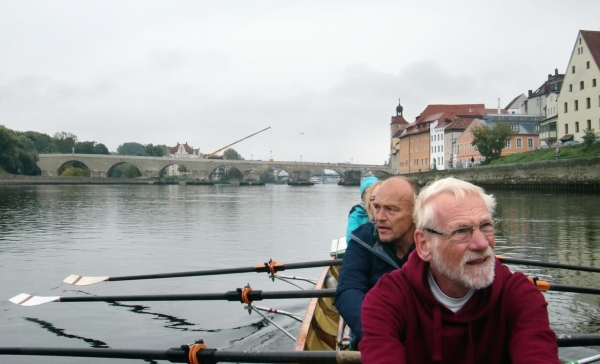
(479, 305)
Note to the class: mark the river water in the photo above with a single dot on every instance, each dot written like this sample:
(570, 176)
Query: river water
(49, 232)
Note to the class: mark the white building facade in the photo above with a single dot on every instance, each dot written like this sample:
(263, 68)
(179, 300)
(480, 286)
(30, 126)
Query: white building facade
(437, 145)
(579, 98)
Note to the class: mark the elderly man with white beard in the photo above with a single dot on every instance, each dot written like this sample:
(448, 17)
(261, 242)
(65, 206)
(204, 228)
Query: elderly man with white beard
(453, 302)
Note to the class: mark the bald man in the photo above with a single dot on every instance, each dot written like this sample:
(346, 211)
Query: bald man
(375, 249)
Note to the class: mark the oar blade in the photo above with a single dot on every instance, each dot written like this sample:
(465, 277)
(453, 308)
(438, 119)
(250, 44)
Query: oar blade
(25, 299)
(76, 280)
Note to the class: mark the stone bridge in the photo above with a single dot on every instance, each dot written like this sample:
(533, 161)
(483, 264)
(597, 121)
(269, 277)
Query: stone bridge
(201, 169)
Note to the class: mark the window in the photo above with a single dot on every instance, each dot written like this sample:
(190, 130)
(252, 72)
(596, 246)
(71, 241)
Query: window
(416, 162)
(431, 149)
(589, 125)
(508, 144)
(577, 126)
(594, 82)
(514, 127)
(530, 143)
(519, 143)
(588, 103)
(411, 149)
(573, 69)
(587, 65)
(576, 105)
(566, 128)
(566, 108)
(570, 88)
(536, 127)
(581, 85)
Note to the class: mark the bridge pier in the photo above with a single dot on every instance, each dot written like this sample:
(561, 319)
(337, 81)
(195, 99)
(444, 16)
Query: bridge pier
(301, 176)
(203, 176)
(250, 175)
(98, 174)
(148, 173)
(352, 177)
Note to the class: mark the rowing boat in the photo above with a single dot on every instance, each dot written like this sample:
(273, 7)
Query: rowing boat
(322, 328)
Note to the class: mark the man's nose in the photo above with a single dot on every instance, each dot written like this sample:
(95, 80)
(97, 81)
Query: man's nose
(478, 241)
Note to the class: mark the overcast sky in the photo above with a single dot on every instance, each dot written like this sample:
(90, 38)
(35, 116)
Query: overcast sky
(326, 76)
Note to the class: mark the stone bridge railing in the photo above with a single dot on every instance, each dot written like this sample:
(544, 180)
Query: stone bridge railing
(201, 169)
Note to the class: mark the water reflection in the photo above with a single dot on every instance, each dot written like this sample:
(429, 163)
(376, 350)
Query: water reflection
(61, 332)
(560, 228)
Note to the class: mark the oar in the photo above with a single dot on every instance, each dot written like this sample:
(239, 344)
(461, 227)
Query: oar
(179, 355)
(591, 359)
(572, 340)
(266, 267)
(536, 263)
(547, 286)
(25, 299)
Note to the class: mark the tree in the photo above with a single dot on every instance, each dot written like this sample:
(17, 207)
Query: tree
(90, 148)
(124, 170)
(182, 170)
(232, 174)
(43, 143)
(589, 137)
(491, 141)
(151, 150)
(17, 154)
(231, 153)
(65, 141)
(131, 148)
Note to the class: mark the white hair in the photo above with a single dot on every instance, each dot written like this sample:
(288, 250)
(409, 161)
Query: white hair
(424, 212)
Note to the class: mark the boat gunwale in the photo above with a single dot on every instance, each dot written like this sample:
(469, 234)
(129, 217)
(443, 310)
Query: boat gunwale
(310, 311)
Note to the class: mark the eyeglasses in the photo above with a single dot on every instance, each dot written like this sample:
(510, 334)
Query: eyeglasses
(463, 234)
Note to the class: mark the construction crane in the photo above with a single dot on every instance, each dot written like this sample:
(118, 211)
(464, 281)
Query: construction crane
(214, 155)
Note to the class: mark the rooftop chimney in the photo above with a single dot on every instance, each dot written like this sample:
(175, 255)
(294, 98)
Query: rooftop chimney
(498, 106)
(556, 72)
(529, 93)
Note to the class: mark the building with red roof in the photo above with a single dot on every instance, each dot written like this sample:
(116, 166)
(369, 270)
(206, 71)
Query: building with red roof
(417, 140)
(181, 151)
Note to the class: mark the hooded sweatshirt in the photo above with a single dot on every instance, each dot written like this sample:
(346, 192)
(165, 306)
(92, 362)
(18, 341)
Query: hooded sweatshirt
(506, 322)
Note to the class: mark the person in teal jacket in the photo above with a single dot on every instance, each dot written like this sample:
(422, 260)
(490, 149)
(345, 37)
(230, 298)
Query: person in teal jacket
(358, 214)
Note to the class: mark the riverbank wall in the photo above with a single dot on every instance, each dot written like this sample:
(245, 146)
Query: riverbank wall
(568, 175)
(11, 179)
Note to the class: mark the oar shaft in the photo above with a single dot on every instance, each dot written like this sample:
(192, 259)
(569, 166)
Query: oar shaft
(210, 272)
(178, 355)
(172, 355)
(572, 340)
(535, 263)
(574, 289)
(228, 296)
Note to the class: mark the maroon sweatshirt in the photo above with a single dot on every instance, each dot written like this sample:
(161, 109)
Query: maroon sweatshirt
(506, 322)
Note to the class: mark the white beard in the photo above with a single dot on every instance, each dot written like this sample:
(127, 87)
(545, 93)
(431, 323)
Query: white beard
(469, 277)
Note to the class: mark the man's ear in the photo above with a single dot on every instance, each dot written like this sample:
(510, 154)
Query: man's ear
(423, 245)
